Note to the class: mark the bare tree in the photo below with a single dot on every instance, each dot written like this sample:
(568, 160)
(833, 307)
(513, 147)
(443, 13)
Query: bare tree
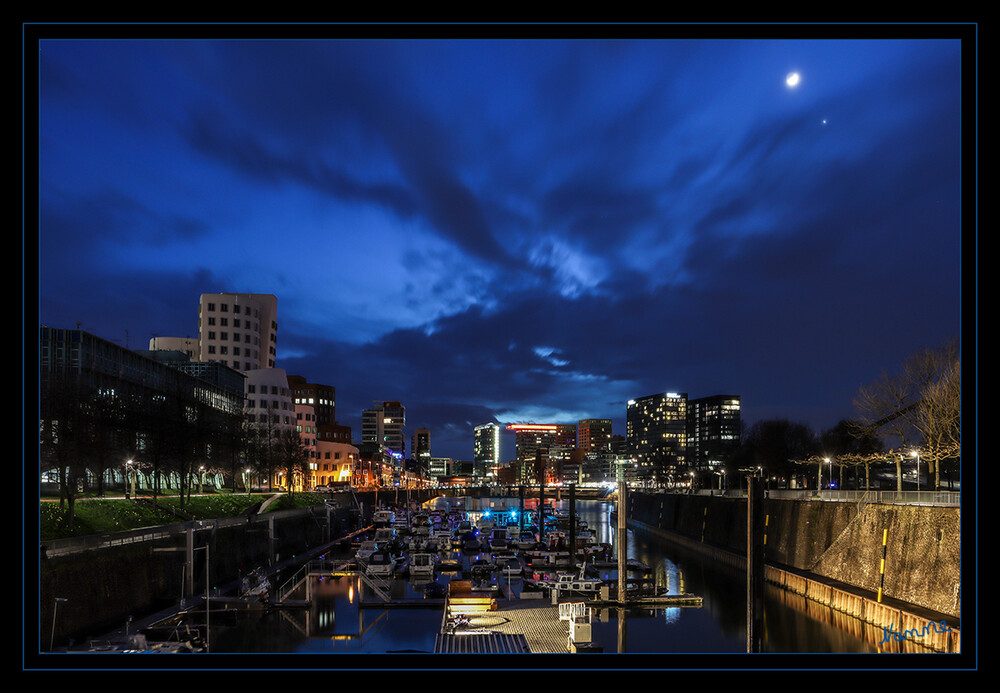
(264, 443)
(919, 408)
(294, 457)
(773, 447)
(63, 437)
(939, 420)
(237, 436)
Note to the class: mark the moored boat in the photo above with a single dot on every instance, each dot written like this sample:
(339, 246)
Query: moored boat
(367, 548)
(383, 518)
(381, 564)
(422, 564)
(498, 539)
(482, 569)
(510, 566)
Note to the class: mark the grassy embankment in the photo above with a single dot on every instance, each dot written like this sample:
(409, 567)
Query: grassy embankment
(101, 515)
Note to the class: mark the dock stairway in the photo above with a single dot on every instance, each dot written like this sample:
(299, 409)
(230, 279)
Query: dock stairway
(324, 568)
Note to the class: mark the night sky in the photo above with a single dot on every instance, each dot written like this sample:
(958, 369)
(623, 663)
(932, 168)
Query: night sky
(516, 228)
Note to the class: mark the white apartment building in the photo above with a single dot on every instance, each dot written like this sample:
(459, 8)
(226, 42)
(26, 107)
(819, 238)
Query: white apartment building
(238, 330)
(269, 399)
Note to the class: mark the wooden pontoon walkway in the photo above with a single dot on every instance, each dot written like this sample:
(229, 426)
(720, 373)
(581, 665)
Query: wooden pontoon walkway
(536, 621)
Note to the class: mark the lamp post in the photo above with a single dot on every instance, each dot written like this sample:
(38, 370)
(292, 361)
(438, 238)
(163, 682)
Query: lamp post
(131, 472)
(916, 454)
(55, 607)
(201, 480)
(190, 567)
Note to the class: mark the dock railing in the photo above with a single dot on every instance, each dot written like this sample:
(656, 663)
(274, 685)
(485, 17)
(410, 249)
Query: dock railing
(571, 611)
(379, 586)
(939, 498)
(305, 571)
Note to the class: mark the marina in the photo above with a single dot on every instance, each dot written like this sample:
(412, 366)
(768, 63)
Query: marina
(445, 598)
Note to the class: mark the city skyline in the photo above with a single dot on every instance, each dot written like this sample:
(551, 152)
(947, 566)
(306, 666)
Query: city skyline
(517, 230)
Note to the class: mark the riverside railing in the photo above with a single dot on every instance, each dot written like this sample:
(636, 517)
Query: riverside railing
(945, 498)
(58, 547)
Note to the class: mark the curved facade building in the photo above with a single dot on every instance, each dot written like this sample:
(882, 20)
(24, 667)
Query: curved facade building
(238, 330)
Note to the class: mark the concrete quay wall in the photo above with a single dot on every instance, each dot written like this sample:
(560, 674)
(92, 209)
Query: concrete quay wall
(836, 540)
(103, 588)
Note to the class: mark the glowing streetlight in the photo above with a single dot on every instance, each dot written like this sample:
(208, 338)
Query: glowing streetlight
(130, 474)
(916, 454)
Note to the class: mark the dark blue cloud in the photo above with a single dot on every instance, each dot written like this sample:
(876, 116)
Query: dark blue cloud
(498, 230)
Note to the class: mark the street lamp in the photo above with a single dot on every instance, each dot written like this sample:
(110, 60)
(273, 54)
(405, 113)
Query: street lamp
(55, 608)
(201, 479)
(915, 453)
(130, 474)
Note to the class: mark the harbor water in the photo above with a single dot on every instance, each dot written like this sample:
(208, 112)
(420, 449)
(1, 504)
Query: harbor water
(340, 622)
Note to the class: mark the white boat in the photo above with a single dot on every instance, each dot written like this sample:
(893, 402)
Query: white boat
(442, 539)
(526, 540)
(381, 564)
(573, 583)
(421, 525)
(255, 585)
(383, 518)
(367, 548)
(510, 566)
(385, 537)
(482, 569)
(498, 539)
(422, 564)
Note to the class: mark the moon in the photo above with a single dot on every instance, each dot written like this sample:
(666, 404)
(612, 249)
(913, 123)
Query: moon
(792, 80)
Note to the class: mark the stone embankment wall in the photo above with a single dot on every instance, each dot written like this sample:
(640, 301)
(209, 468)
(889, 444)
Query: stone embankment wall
(836, 540)
(104, 587)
